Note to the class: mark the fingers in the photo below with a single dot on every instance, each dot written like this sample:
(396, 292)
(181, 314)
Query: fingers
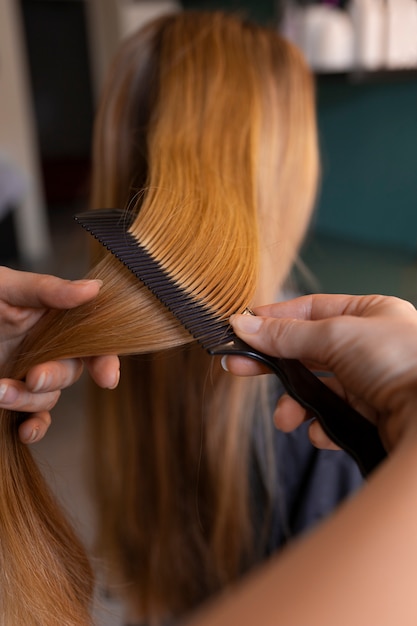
(323, 306)
(242, 366)
(104, 370)
(317, 342)
(288, 338)
(66, 294)
(310, 307)
(26, 289)
(54, 375)
(35, 427)
(41, 390)
(289, 415)
(319, 439)
(15, 395)
(38, 395)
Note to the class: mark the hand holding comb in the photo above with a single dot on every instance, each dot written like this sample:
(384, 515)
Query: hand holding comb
(345, 426)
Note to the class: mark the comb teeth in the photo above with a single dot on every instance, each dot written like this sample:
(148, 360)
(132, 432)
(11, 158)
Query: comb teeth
(110, 228)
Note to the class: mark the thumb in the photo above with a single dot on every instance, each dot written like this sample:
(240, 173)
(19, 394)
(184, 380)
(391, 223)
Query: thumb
(283, 337)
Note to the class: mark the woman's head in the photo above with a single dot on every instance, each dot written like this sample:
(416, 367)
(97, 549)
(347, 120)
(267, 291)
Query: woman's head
(207, 126)
(206, 132)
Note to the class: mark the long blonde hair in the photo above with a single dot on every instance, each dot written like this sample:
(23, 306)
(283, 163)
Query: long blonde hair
(221, 113)
(206, 133)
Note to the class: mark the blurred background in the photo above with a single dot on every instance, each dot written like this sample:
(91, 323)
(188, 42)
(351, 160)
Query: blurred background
(363, 238)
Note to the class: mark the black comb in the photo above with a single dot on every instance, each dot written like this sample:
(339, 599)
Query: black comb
(345, 426)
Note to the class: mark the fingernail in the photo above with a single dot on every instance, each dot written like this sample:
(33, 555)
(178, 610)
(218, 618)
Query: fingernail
(246, 323)
(3, 389)
(43, 383)
(33, 435)
(8, 394)
(116, 380)
(224, 363)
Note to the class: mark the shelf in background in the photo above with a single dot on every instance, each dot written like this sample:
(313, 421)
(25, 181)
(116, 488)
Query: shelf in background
(367, 76)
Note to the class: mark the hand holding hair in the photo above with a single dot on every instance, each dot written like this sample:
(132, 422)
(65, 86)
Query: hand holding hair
(356, 338)
(24, 298)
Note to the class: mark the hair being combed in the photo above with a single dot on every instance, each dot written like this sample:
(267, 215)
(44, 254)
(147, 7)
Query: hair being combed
(206, 132)
(230, 130)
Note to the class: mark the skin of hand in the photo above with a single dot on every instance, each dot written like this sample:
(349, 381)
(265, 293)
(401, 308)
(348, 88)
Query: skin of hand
(369, 344)
(24, 298)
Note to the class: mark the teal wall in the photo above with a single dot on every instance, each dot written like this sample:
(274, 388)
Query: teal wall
(368, 137)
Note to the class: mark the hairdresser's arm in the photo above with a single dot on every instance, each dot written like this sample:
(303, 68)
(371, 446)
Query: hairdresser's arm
(24, 298)
(360, 565)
